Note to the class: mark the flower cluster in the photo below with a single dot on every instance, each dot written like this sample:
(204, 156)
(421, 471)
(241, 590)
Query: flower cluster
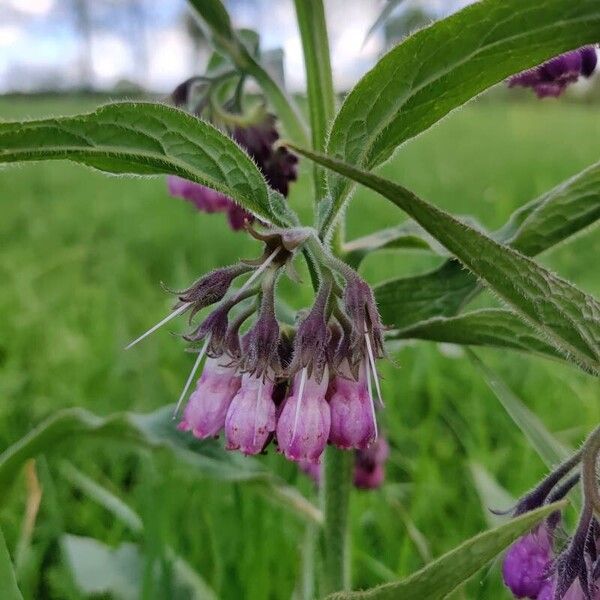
(553, 77)
(540, 565)
(257, 135)
(302, 386)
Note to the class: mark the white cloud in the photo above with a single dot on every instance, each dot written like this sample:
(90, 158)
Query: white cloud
(9, 34)
(32, 7)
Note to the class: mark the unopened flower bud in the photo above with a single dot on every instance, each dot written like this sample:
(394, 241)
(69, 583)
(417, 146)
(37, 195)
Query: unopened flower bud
(352, 411)
(205, 412)
(251, 416)
(303, 426)
(369, 466)
(526, 564)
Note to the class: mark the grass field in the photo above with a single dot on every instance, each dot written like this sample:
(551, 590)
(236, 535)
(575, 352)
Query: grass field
(82, 258)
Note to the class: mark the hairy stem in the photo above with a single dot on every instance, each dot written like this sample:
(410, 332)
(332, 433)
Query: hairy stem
(589, 465)
(335, 501)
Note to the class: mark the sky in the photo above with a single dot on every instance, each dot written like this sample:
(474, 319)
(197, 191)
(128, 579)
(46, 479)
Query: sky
(145, 41)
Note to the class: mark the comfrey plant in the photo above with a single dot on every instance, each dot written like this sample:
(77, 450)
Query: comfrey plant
(308, 385)
(543, 565)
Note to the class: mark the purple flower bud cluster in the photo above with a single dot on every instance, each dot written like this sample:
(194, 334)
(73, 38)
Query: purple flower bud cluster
(553, 77)
(538, 565)
(258, 137)
(302, 387)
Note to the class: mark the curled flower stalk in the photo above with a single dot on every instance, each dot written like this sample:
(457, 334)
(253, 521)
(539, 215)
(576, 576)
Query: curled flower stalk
(540, 565)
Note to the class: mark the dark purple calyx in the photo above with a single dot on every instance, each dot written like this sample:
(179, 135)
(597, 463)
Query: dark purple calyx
(361, 309)
(210, 288)
(260, 345)
(278, 164)
(312, 338)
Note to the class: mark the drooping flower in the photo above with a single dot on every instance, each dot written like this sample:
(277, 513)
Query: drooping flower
(353, 423)
(207, 407)
(251, 416)
(209, 201)
(554, 76)
(369, 466)
(278, 164)
(527, 563)
(303, 426)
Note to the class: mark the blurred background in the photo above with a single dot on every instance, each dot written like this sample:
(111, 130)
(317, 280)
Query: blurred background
(82, 259)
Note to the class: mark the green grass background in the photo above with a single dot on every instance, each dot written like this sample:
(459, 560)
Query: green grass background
(82, 256)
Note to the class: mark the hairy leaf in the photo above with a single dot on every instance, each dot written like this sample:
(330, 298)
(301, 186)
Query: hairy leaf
(8, 581)
(441, 67)
(442, 576)
(540, 224)
(565, 315)
(155, 431)
(493, 327)
(143, 138)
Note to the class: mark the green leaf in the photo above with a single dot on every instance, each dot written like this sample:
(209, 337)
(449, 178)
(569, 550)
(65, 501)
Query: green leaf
(442, 576)
(564, 211)
(142, 138)
(406, 236)
(492, 495)
(155, 431)
(214, 15)
(561, 312)
(546, 221)
(8, 581)
(441, 67)
(550, 450)
(98, 569)
(184, 573)
(497, 328)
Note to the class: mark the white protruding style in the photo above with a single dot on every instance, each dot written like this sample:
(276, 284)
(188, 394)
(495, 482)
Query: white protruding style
(300, 394)
(186, 387)
(374, 369)
(174, 314)
(185, 306)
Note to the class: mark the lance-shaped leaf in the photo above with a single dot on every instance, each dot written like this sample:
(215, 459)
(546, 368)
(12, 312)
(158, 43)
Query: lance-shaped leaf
(441, 67)
(406, 236)
(8, 581)
(497, 328)
(551, 450)
(442, 576)
(143, 138)
(540, 224)
(565, 315)
(155, 431)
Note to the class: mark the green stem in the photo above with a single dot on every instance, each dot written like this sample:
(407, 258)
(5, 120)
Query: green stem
(589, 472)
(321, 97)
(335, 496)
